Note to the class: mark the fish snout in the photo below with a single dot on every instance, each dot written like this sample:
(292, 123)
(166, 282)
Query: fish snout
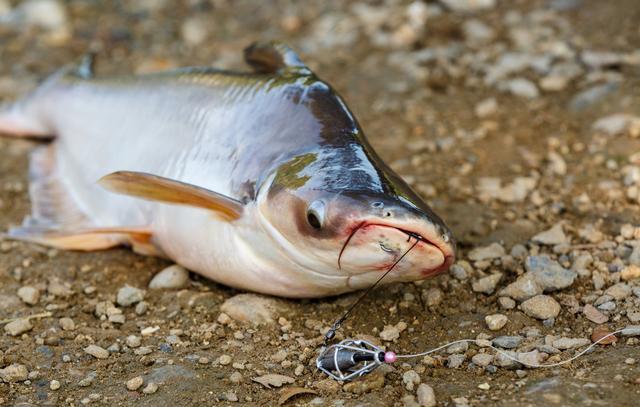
(376, 247)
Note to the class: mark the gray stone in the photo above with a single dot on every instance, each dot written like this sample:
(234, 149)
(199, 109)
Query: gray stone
(589, 97)
(167, 373)
(410, 379)
(550, 275)
(552, 236)
(18, 327)
(170, 278)
(29, 295)
(97, 352)
(455, 361)
(426, 396)
(482, 359)
(523, 288)
(614, 124)
(607, 306)
(486, 285)
(128, 295)
(502, 360)
(459, 347)
(634, 258)
(506, 303)
(507, 342)
(252, 308)
(541, 307)
(14, 373)
(67, 324)
(530, 359)
(522, 87)
(570, 343)
(459, 272)
(493, 251)
(631, 330)
(495, 322)
(469, 5)
(619, 291)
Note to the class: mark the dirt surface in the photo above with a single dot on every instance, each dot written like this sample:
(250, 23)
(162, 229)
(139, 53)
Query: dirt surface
(456, 100)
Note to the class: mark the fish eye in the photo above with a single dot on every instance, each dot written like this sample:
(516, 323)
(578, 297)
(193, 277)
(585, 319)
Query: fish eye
(315, 214)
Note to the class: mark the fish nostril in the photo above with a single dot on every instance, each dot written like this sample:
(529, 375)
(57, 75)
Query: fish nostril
(377, 205)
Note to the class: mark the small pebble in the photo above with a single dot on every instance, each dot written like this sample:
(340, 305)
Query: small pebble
(133, 341)
(128, 295)
(495, 322)
(54, 385)
(410, 379)
(507, 342)
(171, 278)
(426, 395)
(135, 383)
(29, 295)
(67, 324)
(224, 360)
(18, 327)
(150, 388)
(541, 307)
(14, 373)
(96, 351)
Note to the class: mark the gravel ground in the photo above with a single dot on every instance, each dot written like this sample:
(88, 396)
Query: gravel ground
(519, 121)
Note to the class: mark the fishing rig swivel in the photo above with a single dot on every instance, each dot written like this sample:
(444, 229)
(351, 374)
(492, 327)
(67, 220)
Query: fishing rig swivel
(352, 358)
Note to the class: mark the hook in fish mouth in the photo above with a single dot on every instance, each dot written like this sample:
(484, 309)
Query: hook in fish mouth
(385, 248)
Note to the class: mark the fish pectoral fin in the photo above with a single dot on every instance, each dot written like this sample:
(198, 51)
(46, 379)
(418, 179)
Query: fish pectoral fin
(156, 188)
(272, 57)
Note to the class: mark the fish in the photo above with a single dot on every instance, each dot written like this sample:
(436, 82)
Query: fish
(260, 180)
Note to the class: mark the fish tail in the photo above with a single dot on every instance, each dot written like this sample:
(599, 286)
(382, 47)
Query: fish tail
(24, 117)
(16, 120)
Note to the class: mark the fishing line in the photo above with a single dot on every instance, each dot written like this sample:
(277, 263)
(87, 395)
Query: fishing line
(351, 358)
(336, 325)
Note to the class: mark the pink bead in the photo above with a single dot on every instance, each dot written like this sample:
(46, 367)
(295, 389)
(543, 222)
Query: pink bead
(390, 357)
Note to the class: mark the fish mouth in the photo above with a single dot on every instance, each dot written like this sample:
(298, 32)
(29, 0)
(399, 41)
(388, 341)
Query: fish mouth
(376, 245)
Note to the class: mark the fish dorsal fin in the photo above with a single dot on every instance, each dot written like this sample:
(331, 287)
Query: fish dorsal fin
(272, 57)
(156, 188)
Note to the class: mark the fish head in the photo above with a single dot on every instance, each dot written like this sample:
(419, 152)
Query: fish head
(356, 233)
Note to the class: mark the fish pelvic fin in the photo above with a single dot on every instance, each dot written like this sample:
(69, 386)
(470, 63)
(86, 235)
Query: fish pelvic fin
(89, 239)
(156, 188)
(273, 57)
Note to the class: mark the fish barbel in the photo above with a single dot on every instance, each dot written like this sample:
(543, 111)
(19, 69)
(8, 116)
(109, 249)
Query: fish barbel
(261, 180)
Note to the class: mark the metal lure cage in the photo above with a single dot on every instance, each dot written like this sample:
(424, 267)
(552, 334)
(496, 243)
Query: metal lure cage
(349, 359)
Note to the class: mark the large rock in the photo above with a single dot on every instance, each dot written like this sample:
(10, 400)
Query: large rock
(252, 308)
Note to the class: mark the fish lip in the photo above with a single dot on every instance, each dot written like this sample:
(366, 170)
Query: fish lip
(447, 249)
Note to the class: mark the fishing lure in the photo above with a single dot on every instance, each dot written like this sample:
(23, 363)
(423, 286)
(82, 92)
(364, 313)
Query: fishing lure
(352, 358)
